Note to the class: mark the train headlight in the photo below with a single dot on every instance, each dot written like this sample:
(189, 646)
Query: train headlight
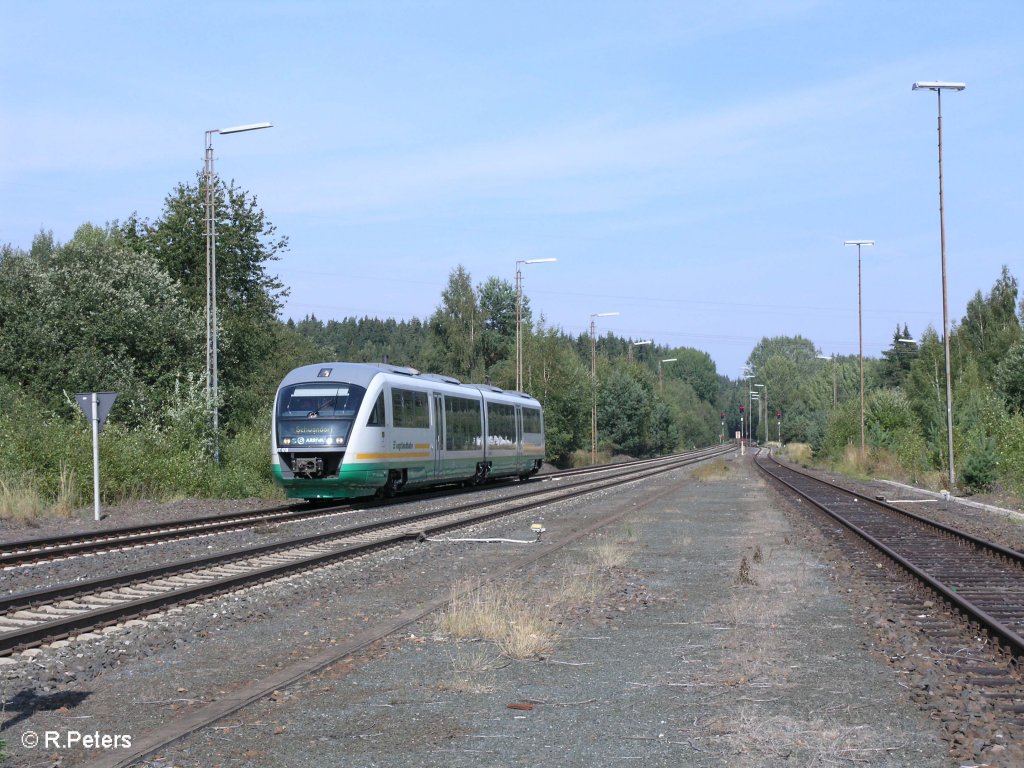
(286, 441)
(339, 440)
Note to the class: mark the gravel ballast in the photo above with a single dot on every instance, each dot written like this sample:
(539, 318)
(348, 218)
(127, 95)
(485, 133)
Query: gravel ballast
(712, 636)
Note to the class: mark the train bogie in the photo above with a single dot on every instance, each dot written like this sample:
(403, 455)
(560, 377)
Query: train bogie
(343, 430)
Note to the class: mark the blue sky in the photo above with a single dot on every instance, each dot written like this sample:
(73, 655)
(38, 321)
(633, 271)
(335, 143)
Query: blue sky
(693, 166)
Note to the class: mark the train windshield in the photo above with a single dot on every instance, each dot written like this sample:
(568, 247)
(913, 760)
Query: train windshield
(317, 414)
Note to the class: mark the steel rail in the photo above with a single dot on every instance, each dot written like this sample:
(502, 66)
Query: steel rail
(177, 729)
(45, 549)
(968, 555)
(407, 527)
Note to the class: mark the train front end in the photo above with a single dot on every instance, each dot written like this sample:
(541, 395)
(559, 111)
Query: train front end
(316, 412)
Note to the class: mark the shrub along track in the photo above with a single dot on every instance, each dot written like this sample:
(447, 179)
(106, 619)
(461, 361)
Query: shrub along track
(950, 609)
(32, 618)
(44, 549)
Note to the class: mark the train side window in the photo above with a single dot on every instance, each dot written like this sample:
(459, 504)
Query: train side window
(376, 418)
(409, 408)
(501, 425)
(462, 417)
(531, 421)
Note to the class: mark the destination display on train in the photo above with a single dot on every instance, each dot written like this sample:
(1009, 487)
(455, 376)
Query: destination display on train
(323, 432)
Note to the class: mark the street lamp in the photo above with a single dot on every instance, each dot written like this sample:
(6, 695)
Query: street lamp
(593, 383)
(629, 353)
(765, 388)
(519, 317)
(860, 332)
(939, 87)
(754, 398)
(750, 402)
(211, 278)
(661, 379)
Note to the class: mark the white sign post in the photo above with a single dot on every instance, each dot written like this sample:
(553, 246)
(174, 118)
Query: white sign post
(96, 406)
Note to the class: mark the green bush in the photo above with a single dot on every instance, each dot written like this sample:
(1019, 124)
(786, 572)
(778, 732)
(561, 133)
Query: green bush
(843, 429)
(245, 466)
(46, 457)
(1010, 443)
(981, 466)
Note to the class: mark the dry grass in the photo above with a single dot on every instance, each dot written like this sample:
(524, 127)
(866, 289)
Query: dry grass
(771, 586)
(798, 453)
(882, 463)
(714, 470)
(521, 628)
(472, 669)
(629, 533)
(876, 462)
(517, 621)
(20, 502)
(609, 554)
(744, 577)
(67, 492)
(580, 585)
(24, 502)
(755, 740)
(581, 458)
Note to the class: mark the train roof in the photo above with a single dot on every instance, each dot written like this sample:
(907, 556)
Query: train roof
(353, 373)
(363, 373)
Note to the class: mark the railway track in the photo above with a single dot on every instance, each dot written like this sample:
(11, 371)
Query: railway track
(949, 606)
(981, 579)
(24, 552)
(32, 618)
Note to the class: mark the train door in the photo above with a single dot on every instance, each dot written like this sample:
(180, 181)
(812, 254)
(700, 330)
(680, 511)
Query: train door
(438, 435)
(519, 437)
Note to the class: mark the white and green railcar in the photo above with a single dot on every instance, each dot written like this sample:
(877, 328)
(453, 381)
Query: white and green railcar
(342, 430)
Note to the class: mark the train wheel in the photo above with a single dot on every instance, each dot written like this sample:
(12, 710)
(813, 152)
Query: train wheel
(394, 483)
(481, 474)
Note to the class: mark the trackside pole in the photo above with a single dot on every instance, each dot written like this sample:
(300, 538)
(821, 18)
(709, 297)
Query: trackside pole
(96, 454)
(96, 407)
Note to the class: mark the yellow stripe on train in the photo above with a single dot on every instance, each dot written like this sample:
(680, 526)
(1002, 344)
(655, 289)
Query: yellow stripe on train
(420, 455)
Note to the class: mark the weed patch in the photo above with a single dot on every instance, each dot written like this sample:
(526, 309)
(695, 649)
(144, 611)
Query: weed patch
(714, 470)
(520, 628)
(744, 577)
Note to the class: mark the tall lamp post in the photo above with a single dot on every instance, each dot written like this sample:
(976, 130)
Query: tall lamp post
(211, 278)
(750, 404)
(939, 87)
(629, 354)
(765, 388)
(860, 333)
(593, 383)
(755, 398)
(519, 317)
(661, 378)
